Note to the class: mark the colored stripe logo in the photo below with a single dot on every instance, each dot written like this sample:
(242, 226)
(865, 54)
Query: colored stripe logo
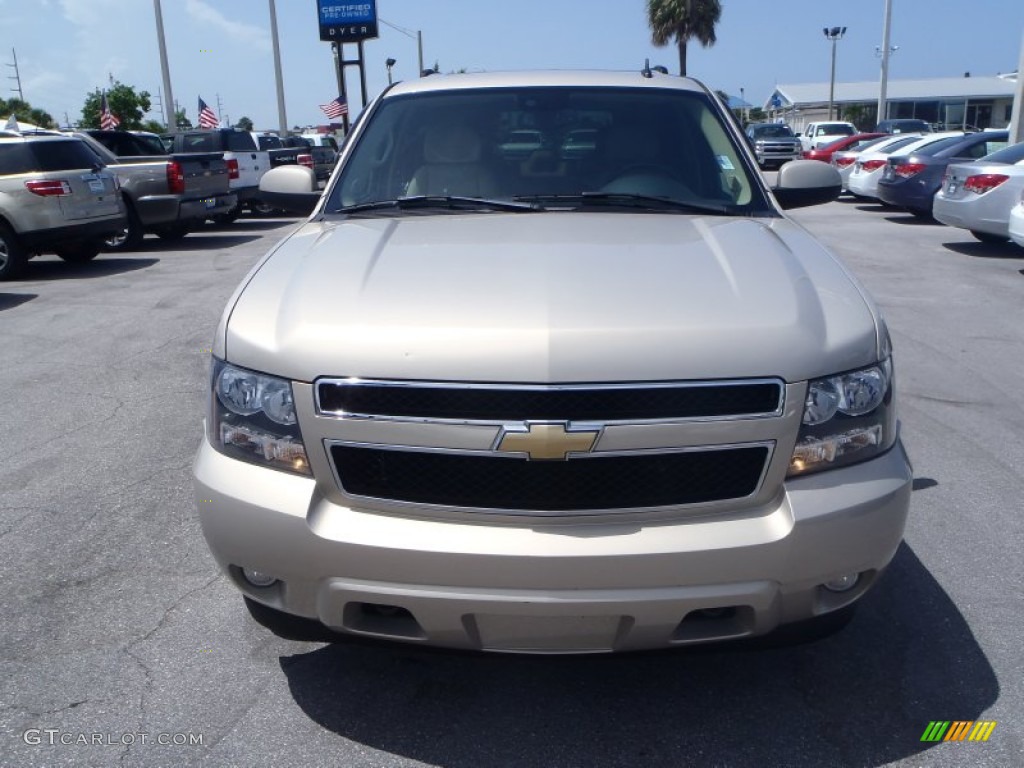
(958, 730)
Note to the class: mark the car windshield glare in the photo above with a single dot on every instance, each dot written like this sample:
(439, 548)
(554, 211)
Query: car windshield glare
(548, 144)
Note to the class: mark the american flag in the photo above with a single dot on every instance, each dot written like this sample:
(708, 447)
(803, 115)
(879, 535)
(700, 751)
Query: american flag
(335, 108)
(108, 121)
(207, 117)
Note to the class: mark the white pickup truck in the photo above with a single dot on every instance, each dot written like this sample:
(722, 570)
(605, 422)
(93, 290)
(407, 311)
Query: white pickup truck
(817, 135)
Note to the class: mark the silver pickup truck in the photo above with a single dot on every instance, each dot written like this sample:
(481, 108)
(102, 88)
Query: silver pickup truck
(169, 195)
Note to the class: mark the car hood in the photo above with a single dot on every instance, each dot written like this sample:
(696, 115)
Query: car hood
(550, 297)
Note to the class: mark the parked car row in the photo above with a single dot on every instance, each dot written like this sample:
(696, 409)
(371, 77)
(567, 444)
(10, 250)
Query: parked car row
(971, 180)
(75, 193)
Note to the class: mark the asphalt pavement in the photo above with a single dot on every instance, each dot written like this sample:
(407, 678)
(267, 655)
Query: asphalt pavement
(122, 643)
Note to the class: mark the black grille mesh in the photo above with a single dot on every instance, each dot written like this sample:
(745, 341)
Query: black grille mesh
(582, 404)
(613, 482)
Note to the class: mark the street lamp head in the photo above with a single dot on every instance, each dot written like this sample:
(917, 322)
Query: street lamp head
(389, 63)
(834, 33)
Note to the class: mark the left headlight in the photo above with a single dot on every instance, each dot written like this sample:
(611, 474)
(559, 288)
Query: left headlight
(849, 417)
(253, 419)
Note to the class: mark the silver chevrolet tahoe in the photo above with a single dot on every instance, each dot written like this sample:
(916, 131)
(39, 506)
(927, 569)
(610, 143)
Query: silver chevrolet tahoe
(551, 402)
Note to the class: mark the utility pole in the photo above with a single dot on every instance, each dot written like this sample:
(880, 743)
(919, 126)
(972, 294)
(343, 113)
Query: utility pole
(171, 122)
(883, 112)
(16, 76)
(834, 34)
(220, 108)
(281, 117)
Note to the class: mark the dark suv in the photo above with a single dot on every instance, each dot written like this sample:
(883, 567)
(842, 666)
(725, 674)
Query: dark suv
(54, 196)
(903, 125)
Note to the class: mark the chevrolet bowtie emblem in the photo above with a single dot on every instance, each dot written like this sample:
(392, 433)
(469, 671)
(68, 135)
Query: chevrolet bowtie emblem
(547, 441)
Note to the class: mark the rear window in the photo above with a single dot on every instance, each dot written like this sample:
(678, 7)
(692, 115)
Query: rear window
(67, 155)
(240, 141)
(233, 141)
(14, 158)
(866, 143)
(1010, 155)
(888, 149)
(128, 144)
(150, 145)
(937, 146)
(270, 142)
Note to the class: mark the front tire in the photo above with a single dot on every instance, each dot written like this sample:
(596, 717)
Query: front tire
(12, 256)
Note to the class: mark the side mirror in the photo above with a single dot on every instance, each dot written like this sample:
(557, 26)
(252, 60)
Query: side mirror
(291, 187)
(807, 182)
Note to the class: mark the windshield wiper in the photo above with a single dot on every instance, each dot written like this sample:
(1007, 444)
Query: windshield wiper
(625, 200)
(447, 202)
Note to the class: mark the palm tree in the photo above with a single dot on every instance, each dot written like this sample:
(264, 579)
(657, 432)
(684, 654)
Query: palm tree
(683, 20)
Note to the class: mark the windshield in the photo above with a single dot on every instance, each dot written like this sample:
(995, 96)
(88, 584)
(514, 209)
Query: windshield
(835, 129)
(552, 147)
(772, 131)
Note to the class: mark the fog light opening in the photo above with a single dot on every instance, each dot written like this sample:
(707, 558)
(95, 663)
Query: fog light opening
(258, 578)
(843, 583)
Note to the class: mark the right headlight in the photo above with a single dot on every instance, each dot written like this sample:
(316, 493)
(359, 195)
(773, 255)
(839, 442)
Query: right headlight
(849, 417)
(253, 419)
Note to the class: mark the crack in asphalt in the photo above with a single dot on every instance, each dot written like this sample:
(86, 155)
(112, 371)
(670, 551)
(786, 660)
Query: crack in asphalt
(143, 665)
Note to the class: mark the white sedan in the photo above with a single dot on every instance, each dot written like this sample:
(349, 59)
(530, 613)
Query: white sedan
(863, 180)
(1017, 222)
(979, 196)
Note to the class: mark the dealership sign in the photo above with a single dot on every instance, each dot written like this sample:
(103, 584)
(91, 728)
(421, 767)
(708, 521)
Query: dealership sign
(347, 22)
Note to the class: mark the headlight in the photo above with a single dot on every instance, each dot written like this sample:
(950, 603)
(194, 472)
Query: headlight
(847, 418)
(253, 419)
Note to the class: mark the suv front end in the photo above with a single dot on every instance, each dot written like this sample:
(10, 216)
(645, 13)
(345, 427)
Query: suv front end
(547, 422)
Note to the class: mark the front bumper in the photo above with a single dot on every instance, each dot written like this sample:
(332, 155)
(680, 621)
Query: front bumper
(596, 585)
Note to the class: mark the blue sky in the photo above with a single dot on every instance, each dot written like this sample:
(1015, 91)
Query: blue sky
(66, 48)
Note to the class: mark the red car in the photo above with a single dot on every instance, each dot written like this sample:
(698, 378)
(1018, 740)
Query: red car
(847, 142)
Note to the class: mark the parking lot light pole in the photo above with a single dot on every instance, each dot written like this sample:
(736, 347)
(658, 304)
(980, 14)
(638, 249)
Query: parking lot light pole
(834, 34)
(884, 84)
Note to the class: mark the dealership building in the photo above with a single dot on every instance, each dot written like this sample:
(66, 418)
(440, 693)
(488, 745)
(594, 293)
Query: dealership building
(946, 102)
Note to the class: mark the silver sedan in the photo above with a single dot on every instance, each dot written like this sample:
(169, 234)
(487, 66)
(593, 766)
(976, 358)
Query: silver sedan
(979, 196)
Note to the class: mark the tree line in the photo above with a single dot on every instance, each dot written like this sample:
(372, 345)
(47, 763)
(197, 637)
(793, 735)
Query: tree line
(127, 103)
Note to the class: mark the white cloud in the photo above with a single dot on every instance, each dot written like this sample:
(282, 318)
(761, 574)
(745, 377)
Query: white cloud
(247, 34)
